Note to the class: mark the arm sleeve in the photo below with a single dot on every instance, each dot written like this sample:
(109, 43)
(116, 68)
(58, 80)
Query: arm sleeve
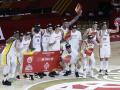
(74, 19)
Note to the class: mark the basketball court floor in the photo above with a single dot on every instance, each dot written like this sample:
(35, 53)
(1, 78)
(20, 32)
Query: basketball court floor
(99, 82)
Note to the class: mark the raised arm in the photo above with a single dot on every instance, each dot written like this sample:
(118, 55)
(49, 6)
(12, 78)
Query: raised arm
(115, 30)
(79, 13)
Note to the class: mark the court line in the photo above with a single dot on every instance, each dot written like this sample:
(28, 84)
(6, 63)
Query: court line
(27, 88)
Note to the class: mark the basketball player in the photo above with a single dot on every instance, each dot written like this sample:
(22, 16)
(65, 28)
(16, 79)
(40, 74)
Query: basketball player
(20, 56)
(25, 44)
(45, 39)
(75, 42)
(54, 44)
(36, 40)
(55, 39)
(11, 60)
(75, 39)
(37, 43)
(66, 25)
(105, 50)
(70, 56)
(88, 55)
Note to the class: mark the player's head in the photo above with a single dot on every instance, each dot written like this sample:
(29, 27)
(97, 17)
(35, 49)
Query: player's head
(104, 26)
(21, 36)
(37, 26)
(74, 28)
(68, 47)
(95, 25)
(65, 25)
(16, 35)
(57, 28)
(90, 37)
(27, 36)
(50, 27)
(36, 30)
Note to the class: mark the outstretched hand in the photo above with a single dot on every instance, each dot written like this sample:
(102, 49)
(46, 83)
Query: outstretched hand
(117, 24)
(78, 9)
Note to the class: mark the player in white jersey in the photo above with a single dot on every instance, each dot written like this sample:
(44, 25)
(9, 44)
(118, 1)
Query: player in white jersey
(45, 39)
(25, 43)
(105, 49)
(70, 56)
(66, 25)
(36, 40)
(55, 40)
(75, 39)
(20, 56)
(88, 55)
(54, 43)
(39, 43)
(10, 68)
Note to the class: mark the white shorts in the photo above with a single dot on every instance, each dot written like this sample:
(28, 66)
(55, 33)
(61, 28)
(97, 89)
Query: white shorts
(90, 62)
(105, 51)
(75, 47)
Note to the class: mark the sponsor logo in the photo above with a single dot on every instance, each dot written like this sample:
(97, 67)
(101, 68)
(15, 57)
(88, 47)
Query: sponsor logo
(89, 85)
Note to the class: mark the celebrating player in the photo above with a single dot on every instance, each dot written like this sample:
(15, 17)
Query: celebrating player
(105, 50)
(88, 55)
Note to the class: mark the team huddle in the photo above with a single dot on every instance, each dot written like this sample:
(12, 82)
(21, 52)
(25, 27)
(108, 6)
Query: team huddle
(76, 49)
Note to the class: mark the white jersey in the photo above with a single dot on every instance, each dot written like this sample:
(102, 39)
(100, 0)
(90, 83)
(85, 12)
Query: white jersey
(105, 37)
(75, 39)
(45, 37)
(13, 48)
(55, 38)
(105, 50)
(65, 31)
(89, 44)
(36, 41)
(92, 32)
(25, 45)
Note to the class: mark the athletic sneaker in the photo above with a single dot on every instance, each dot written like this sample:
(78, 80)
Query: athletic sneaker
(7, 83)
(44, 74)
(40, 75)
(25, 76)
(31, 77)
(101, 72)
(51, 74)
(76, 74)
(18, 76)
(55, 73)
(106, 72)
(67, 73)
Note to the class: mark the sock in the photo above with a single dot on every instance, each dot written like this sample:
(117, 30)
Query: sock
(5, 78)
(73, 68)
(102, 65)
(91, 73)
(106, 65)
(76, 69)
(84, 73)
(67, 68)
